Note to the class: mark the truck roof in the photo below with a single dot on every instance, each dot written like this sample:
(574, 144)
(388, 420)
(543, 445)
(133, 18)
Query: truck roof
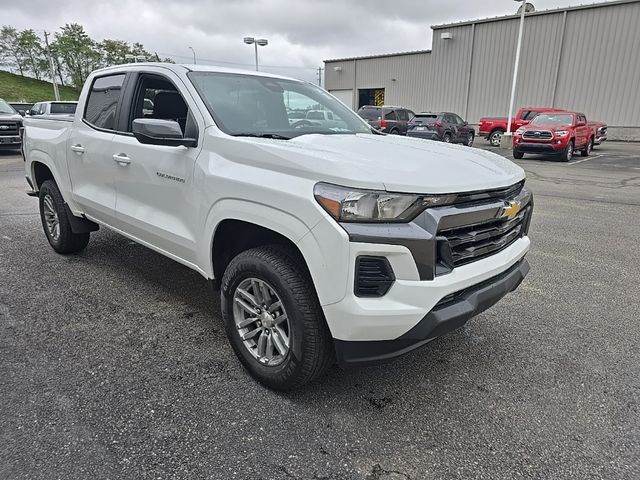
(184, 67)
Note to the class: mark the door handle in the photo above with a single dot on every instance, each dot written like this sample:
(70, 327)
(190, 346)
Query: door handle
(121, 159)
(77, 148)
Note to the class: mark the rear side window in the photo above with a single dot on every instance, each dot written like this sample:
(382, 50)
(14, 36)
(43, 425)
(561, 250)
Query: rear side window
(370, 113)
(69, 108)
(103, 100)
(403, 115)
(390, 115)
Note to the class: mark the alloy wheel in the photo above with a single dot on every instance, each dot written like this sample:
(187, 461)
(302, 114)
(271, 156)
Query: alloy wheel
(261, 321)
(51, 217)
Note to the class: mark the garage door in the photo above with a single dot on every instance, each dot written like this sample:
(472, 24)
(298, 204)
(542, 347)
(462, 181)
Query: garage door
(345, 96)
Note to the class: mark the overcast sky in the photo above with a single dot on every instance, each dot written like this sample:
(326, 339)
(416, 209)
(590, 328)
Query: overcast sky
(301, 33)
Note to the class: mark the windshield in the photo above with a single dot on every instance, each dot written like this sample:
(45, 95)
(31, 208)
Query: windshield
(421, 118)
(247, 105)
(63, 108)
(5, 107)
(559, 119)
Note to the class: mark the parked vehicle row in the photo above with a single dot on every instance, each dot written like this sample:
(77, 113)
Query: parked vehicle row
(322, 248)
(492, 128)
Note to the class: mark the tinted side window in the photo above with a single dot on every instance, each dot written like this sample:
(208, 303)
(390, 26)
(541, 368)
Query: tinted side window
(390, 115)
(403, 115)
(459, 120)
(103, 100)
(449, 118)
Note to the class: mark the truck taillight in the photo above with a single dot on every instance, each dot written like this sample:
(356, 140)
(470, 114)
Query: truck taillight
(383, 123)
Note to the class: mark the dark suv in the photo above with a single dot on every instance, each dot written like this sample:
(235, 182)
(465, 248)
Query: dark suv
(444, 126)
(387, 119)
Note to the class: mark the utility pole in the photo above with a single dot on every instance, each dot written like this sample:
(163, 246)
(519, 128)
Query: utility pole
(51, 69)
(320, 70)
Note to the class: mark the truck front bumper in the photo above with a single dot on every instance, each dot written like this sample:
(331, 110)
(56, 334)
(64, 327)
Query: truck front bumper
(450, 313)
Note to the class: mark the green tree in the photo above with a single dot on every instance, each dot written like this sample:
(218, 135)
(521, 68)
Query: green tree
(31, 50)
(10, 52)
(113, 52)
(78, 53)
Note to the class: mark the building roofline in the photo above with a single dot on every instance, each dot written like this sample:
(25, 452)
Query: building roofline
(533, 14)
(382, 55)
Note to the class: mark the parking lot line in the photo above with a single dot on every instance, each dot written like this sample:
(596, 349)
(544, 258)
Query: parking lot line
(585, 159)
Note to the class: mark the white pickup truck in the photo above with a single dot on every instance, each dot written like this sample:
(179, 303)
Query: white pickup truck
(329, 244)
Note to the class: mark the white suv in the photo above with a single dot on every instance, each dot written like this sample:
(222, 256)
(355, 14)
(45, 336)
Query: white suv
(328, 242)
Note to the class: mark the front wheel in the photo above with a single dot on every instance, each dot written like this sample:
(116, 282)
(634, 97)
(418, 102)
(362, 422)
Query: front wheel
(469, 142)
(273, 318)
(567, 154)
(518, 155)
(55, 221)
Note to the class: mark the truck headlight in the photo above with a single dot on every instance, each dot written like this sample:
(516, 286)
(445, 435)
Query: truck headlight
(354, 205)
(561, 133)
(520, 131)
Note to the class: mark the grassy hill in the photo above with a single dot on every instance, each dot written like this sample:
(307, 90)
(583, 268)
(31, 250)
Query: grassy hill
(14, 88)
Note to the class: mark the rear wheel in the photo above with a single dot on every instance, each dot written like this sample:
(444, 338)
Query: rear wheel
(395, 132)
(517, 154)
(495, 137)
(587, 150)
(273, 318)
(446, 138)
(55, 221)
(567, 154)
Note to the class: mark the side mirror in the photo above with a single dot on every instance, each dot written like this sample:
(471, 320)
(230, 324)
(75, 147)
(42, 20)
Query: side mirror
(155, 131)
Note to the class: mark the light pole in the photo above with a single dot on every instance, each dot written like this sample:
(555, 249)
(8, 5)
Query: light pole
(507, 138)
(194, 55)
(256, 41)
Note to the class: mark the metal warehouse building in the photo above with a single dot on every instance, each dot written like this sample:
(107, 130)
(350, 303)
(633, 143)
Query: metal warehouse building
(584, 58)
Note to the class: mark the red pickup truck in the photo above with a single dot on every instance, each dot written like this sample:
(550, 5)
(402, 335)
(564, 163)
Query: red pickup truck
(558, 133)
(600, 132)
(492, 128)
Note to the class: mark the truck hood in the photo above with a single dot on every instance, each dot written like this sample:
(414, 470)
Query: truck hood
(551, 128)
(10, 117)
(390, 162)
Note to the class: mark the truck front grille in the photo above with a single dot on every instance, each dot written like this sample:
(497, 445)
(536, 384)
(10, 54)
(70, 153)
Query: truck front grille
(538, 134)
(9, 128)
(461, 245)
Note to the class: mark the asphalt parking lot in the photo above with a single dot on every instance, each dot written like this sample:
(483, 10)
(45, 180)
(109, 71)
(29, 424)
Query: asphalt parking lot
(114, 362)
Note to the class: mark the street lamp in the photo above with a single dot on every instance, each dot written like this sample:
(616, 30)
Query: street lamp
(256, 41)
(194, 55)
(507, 139)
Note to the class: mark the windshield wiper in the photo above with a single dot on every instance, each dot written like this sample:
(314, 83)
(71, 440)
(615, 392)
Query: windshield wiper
(262, 135)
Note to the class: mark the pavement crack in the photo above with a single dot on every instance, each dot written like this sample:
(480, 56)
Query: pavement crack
(379, 473)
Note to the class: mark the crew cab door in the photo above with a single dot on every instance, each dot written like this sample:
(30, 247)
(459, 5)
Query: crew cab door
(156, 201)
(91, 168)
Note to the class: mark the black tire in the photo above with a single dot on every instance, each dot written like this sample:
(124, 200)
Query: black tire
(310, 343)
(518, 155)
(395, 131)
(470, 138)
(587, 150)
(567, 153)
(494, 138)
(62, 240)
(446, 138)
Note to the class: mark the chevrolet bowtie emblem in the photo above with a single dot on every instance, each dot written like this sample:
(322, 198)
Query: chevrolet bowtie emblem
(510, 210)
